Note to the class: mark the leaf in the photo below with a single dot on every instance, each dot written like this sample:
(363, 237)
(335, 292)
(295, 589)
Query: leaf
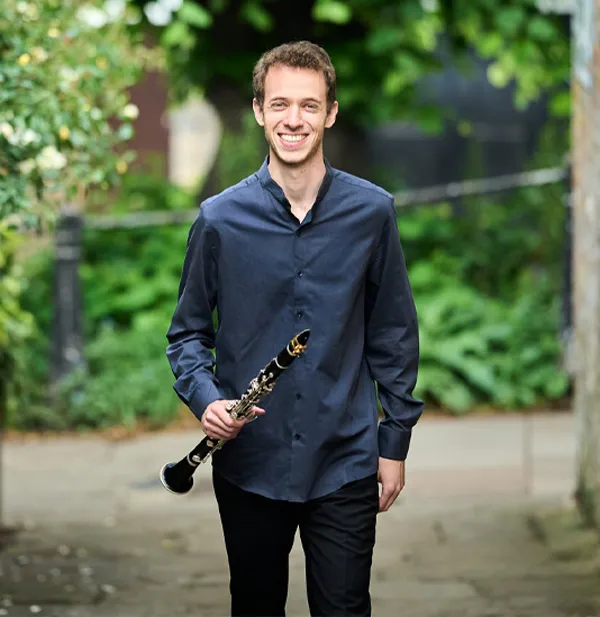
(560, 104)
(457, 398)
(257, 16)
(558, 386)
(394, 82)
(471, 370)
(509, 19)
(430, 119)
(195, 15)
(490, 45)
(176, 32)
(542, 29)
(383, 40)
(497, 75)
(334, 11)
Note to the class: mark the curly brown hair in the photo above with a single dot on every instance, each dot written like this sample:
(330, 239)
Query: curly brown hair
(298, 54)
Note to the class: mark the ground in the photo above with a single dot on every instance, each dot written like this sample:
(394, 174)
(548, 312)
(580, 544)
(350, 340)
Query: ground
(484, 528)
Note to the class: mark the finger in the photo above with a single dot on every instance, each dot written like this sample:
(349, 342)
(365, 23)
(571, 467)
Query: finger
(384, 499)
(223, 417)
(215, 433)
(388, 496)
(216, 423)
(259, 411)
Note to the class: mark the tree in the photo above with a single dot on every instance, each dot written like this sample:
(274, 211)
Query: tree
(66, 67)
(381, 48)
(586, 216)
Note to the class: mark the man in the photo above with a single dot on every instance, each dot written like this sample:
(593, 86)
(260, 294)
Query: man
(299, 245)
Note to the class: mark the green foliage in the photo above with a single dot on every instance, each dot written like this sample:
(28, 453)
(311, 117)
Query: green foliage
(130, 280)
(16, 325)
(127, 380)
(487, 281)
(381, 48)
(241, 153)
(65, 71)
(478, 350)
(523, 44)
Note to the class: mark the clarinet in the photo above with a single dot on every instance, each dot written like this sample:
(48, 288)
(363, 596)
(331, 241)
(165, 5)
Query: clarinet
(178, 477)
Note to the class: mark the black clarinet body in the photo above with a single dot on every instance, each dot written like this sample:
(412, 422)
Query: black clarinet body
(178, 477)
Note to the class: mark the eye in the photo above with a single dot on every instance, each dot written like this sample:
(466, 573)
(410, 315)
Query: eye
(277, 105)
(312, 106)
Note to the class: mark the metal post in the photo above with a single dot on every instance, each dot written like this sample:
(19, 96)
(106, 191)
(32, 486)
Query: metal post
(67, 348)
(567, 278)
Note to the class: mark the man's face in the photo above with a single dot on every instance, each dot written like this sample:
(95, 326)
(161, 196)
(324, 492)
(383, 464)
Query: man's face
(294, 114)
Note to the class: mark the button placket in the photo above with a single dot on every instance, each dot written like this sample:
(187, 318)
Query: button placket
(299, 312)
(298, 260)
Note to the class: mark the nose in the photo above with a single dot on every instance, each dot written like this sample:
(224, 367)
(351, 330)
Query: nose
(293, 119)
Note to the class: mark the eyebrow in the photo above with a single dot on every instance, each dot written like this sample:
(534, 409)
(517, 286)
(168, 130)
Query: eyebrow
(307, 100)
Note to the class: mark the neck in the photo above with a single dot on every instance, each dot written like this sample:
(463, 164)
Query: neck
(300, 184)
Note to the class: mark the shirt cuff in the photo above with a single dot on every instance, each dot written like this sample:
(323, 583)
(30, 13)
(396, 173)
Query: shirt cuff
(203, 396)
(393, 444)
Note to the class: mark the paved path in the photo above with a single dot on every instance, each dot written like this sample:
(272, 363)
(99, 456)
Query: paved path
(103, 538)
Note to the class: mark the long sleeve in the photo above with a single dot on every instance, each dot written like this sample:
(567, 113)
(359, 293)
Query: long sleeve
(392, 342)
(191, 334)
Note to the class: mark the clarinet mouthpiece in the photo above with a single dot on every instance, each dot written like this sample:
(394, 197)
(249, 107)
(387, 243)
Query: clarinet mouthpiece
(303, 336)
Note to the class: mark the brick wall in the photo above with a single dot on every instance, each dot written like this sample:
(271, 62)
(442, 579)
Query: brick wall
(151, 139)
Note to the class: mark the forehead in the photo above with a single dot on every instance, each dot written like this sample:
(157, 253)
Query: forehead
(294, 83)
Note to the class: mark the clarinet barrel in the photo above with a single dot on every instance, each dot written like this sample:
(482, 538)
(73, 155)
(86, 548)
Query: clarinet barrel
(178, 477)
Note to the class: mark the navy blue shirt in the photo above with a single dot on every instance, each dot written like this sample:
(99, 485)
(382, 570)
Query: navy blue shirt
(340, 272)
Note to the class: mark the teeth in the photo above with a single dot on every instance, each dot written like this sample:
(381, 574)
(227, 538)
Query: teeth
(292, 138)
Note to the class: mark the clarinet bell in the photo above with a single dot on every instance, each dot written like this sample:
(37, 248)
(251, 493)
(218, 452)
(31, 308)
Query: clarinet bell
(175, 481)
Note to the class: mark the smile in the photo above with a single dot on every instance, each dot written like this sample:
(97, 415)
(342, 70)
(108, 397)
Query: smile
(293, 139)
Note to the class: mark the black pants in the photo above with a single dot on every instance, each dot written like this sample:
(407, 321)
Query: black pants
(337, 534)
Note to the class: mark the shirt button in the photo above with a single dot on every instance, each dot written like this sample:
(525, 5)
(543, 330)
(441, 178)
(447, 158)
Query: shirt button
(298, 395)
(296, 437)
(299, 314)
(300, 274)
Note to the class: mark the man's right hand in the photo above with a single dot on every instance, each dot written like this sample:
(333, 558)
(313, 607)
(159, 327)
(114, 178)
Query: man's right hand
(218, 424)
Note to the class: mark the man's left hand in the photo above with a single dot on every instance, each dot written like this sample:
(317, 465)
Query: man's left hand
(391, 477)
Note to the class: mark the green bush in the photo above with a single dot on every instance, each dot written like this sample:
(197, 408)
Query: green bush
(130, 280)
(488, 284)
(479, 351)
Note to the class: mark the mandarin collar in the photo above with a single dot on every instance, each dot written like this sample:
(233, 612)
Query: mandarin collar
(270, 185)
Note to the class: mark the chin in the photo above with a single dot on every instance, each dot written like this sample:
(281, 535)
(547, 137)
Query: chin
(294, 159)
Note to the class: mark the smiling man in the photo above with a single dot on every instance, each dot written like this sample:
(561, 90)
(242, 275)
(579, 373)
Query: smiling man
(296, 245)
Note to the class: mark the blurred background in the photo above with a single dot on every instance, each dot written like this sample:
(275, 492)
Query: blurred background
(428, 95)
(118, 117)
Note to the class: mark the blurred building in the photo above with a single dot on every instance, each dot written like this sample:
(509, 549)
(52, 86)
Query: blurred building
(175, 143)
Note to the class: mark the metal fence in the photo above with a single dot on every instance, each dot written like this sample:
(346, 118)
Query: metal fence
(67, 349)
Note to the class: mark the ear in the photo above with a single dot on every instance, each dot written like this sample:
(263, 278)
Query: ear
(258, 113)
(331, 116)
